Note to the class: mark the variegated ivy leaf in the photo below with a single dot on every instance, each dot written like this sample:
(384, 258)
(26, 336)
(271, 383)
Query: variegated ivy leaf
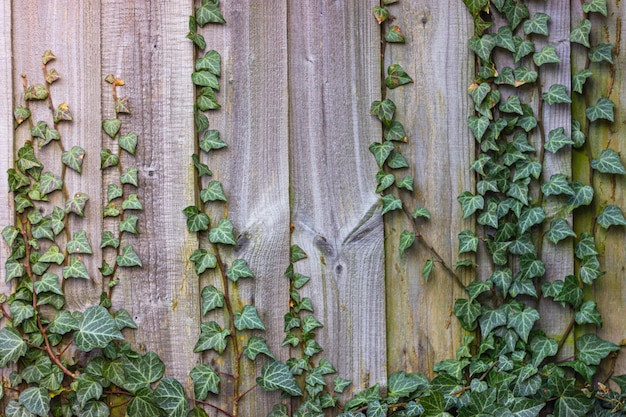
(590, 269)
(239, 269)
(35, 400)
(96, 329)
(504, 38)
(381, 151)
(476, 6)
(395, 132)
(523, 48)
(547, 55)
(49, 183)
(468, 241)
(502, 279)
(515, 13)
(491, 319)
(482, 45)
(611, 216)
(255, 346)
(597, 6)
(601, 52)
(479, 92)
(202, 260)
(121, 105)
(207, 100)
(170, 396)
(108, 159)
(406, 183)
(591, 349)
(406, 240)
(296, 254)
(276, 376)
(209, 12)
(53, 254)
(556, 94)
(384, 110)
(603, 109)
(12, 346)
(9, 233)
(427, 269)
(211, 61)
(21, 311)
(559, 230)
(129, 224)
(20, 114)
(205, 79)
(49, 282)
(75, 269)
(79, 244)
(64, 322)
(39, 130)
(557, 140)
(141, 371)
(396, 76)
(128, 142)
(196, 221)
(397, 161)
(390, 203)
(56, 220)
(421, 211)
(384, 181)
(578, 81)
(530, 267)
(111, 126)
(542, 347)
(212, 140)
(35, 92)
(394, 35)
(212, 298)
(477, 287)
(478, 126)
(583, 195)
(586, 246)
(129, 177)
(506, 75)
(511, 105)
(538, 24)
(205, 380)
(522, 321)
(248, 318)
(128, 257)
(470, 203)
(124, 320)
(557, 185)
(609, 163)
(588, 314)
(110, 210)
(212, 192)
(380, 14)
(212, 336)
(74, 158)
(132, 203)
(571, 292)
(223, 233)
(524, 76)
(202, 169)
(581, 33)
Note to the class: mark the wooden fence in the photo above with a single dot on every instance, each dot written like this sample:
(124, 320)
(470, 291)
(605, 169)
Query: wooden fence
(298, 80)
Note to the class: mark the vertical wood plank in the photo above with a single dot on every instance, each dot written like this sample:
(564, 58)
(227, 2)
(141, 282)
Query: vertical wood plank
(254, 171)
(421, 327)
(72, 33)
(143, 42)
(334, 73)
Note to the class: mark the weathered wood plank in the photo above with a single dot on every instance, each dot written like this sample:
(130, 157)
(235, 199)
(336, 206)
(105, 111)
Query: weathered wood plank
(334, 73)
(143, 42)
(72, 33)
(434, 111)
(254, 170)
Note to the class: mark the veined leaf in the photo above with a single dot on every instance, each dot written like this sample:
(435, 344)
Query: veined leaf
(202, 260)
(79, 244)
(557, 140)
(583, 195)
(597, 6)
(212, 298)
(36, 400)
(381, 151)
(12, 346)
(588, 314)
(128, 257)
(196, 220)
(586, 246)
(538, 24)
(212, 336)
(483, 45)
(591, 349)
(470, 203)
(248, 318)
(581, 33)
(142, 404)
(384, 110)
(128, 142)
(571, 292)
(75, 269)
(209, 12)
(427, 269)
(611, 216)
(255, 346)
(396, 76)
(547, 55)
(601, 52)
(530, 217)
(578, 81)
(390, 203)
(213, 192)
(603, 109)
(111, 126)
(211, 61)
(406, 240)
(542, 347)
(276, 376)
(74, 158)
(170, 396)
(129, 177)
(223, 233)
(557, 93)
(96, 329)
(609, 163)
(468, 241)
(559, 230)
(205, 380)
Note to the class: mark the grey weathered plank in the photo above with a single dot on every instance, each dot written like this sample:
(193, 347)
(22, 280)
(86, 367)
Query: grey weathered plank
(254, 170)
(72, 34)
(143, 42)
(334, 69)
(434, 110)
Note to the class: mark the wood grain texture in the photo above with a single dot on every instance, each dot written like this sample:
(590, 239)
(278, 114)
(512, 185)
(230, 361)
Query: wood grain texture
(143, 42)
(334, 69)
(72, 34)
(434, 110)
(254, 171)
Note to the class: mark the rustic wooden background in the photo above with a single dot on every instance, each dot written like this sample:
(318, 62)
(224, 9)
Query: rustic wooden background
(298, 80)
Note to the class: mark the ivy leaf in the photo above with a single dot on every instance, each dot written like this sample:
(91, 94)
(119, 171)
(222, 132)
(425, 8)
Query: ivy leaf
(590, 270)
(212, 298)
(248, 318)
(476, 6)
(603, 109)
(21, 311)
(482, 45)
(427, 269)
(504, 39)
(239, 269)
(74, 158)
(434, 405)
(212, 140)
(547, 55)
(129, 177)
(209, 12)
(559, 230)
(468, 242)
(609, 163)
(142, 404)
(397, 161)
(121, 105)
(202, 169)
(110, 210)
(79, 244)
(205, 79)
(530, 217)
(396, 77)
(502, 279)
(470, 203)
(515, 13)
(583, 195)
(511, 105)
(591, 349)
(20, 114)
(255, 346)
(87, 389)
(597, 6)
(128, 258)
(96, 329)
(142, 371)
(557, 185)
(276, 376)
(35, 92)
(223, 233)
(522, 321)
(611, 216)
(211, 61)
(524, 76)
(384, 110)
(490, 319)
(557, 140)
(395, 132)
(571, 292)
(53, 254)
(421, 212)
(197, 39)
(380, 14)
(588, 314)
(581, 33)
(111, 126)
(124, 320)
(538, 24)
(384, 181)
(128, 142)
(381, 151)
(478, 126)
(586, 246)
(108, 159)
(578, 81)
(406, 240)
(129, 224)
(76, 269)
(401, 384)
(196, 221)
(601, 52)
(212, 336)
(542, 347)
(479, 92)
(390, 203)
(394, 35)
(12, 346)
(205, 380)
(213, 192)
(202, 260)
(556, 94)
(132, 203)
(169, 395)
(524, 48)
(296, 254)
(36, 400)
(49, 183)
(467, 311)
(206, 100)
(49, 282)
(572, 403)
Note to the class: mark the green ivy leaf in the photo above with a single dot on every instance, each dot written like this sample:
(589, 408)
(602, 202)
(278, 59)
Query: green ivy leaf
(478, 126)
(128, 257)
(296, 254)
(597, 6)
(202, 169)
(212, 298)
(124, 320)
(79, 244)
(468, 242)
(571, 292)
(557, 140)
(524, 76)
(197, 40)
(395, 132)
(205, 79)
(581, 33)
(129, 177)
(522, 321)
(110, 210)
(9, 233)
(212, 336)
(586, 246)
(427, 269)
(406, 240)
(205, 380)
(196, 221)
(87, 389)
(142, 371)
(578, 81)
(206, 100)
(558, 185)
(111, 126)
(479, 92)
(75, 269)
(515, 13)
(421, 212)
(169, 395)
(255, 346)
(588, 314)
(390, 203)
(470, 203)
(559, 230)
(21, 311)
(381, 14)
(434, 405)
(248, 318)
(12, 346)
(132, 203)
(74, 158)
(49, 282)
(490, 319)
(202, 260)
(223, 233)
(49, 183)
(53, 254)
(467, 311)
(502, 279)
(129, 224)
(384, 110)
(556, 94)
(209, 12)
(35, 92)
(20, 114)
(108, 240)
(384, 181)
(340, 384)
(547, 55)
(524, 48)
(603, 109)
(511, 105)
(397, 161)
(128, 142)
(611, 216)
(394, 35)
(211, 61)
(506, 75)
(482, 45)
(212, 140)
(609, 163)
(476, 6)
(213, 192)
(396, 77)
(36, 400)
(590, 270)
(276, 376)
(601, 52)
(239, 269)
(96, 329)
(504, 38)
(381, 151)
(538, 24)
(583, 195)
(108, 159)
(591, 349)
(142, 404)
